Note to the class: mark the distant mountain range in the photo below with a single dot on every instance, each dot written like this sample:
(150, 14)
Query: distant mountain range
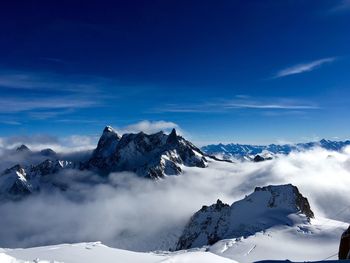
(248, 151)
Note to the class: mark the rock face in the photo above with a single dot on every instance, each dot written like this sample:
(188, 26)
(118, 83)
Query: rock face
(48, 153)
(14, 182)
(344, 246)
(154, 156)
(19, 181)
(23, 148)
(266, 207)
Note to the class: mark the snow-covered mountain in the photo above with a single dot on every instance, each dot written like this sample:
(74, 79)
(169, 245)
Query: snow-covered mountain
(264, 208)
(247, 151)
(153, 156)
(19, 181)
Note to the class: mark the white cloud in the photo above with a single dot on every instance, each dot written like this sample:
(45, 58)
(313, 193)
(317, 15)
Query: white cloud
(16, 104)
(149, 127)
(343, 5)
(38, 142)
(304, 67)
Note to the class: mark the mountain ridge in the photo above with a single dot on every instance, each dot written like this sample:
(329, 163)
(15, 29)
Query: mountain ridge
(242, 151)
(266, 207)
(153, 156)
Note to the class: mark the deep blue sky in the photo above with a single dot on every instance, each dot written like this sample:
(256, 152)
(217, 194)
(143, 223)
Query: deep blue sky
(224, 71)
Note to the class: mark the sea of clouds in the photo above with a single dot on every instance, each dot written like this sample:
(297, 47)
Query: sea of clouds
(125, 211)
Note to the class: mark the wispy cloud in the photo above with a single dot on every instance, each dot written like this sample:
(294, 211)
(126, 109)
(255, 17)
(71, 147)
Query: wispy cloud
(15, 105)
(45, 95)
(10, 122)
(277, 106)
(304, 67)
(343, 5)
(44, 81)
(239, 103)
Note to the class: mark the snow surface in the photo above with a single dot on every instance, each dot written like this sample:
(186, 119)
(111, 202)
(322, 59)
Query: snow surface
(304, 242)
(99, 253)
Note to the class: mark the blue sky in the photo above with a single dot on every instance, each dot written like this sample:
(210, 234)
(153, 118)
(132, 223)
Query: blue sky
(221, 71)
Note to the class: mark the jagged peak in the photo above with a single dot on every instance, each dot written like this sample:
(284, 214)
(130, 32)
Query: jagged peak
(48, 152)
(23, 148)
(324, 141)
(109, 129)
(274, 188)
(16, 168)
(279, 194)
(172, 137)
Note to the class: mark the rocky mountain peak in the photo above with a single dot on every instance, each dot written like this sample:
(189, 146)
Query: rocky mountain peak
(287, 195)
(15, 168)
(48, 152)
(150, 155)
(107, 143)
(108, 129)
(23, 148)
(266, 207)
(172, 137)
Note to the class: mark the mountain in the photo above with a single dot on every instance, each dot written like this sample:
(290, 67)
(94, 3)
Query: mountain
(19, 181)
(153, 156)
(23, 148)
(48, 153)
(13, 181)
(247, 151)
(264, 208)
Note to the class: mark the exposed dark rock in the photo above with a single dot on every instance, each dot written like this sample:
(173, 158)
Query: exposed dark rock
(344, 246)
(48, 153)
(154, 156)
(23, 148)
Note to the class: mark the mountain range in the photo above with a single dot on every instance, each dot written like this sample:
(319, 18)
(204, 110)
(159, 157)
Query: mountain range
(234, 151)
(151, 156)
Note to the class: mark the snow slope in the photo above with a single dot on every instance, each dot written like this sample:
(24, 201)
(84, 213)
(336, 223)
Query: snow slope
(99, 253)
(266, 207)
(304, 242)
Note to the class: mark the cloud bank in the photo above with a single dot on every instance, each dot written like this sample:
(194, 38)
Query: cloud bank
(125, 211)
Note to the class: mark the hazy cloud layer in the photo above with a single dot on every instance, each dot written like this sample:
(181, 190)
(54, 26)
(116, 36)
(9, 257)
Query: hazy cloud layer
(128, 212)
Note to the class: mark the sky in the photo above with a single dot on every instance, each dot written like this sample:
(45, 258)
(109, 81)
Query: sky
(219, 71)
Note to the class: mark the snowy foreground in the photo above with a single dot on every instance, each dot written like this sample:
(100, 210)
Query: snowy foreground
(97, 252)
(316, 242)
